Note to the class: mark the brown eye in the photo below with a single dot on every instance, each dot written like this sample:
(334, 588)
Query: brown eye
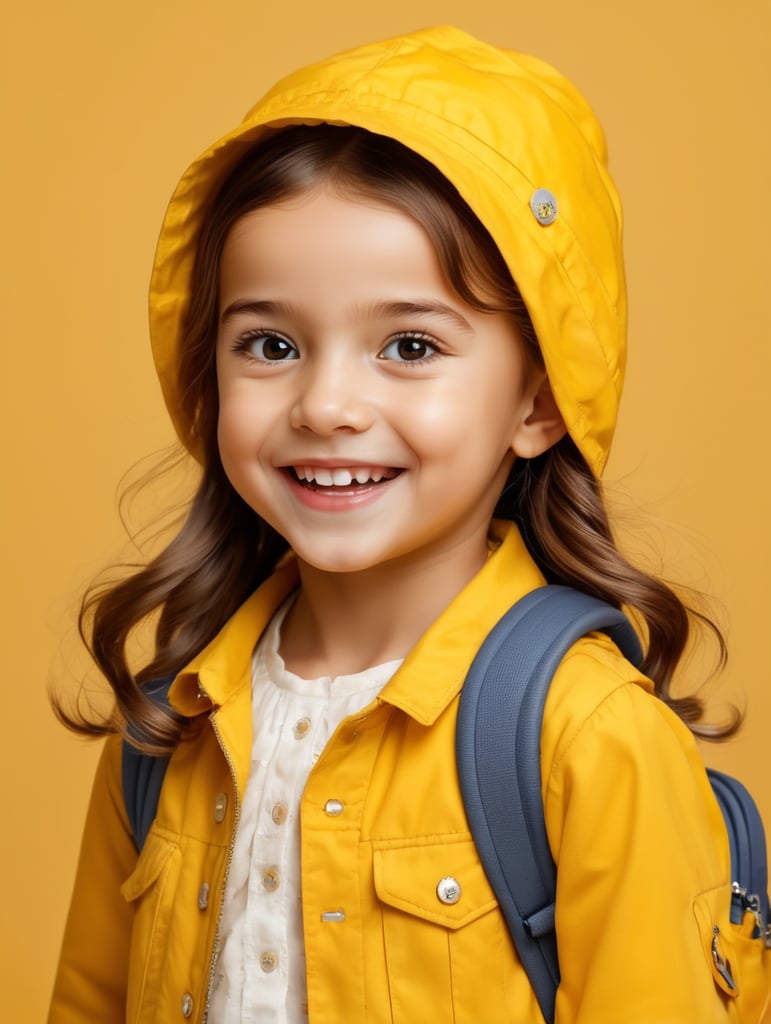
(269, 348)
(409, 348)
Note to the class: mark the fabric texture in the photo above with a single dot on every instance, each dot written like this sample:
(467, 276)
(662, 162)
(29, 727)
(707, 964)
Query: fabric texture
(638, 839)
(293, 720)
(622, 782)
(502, 127)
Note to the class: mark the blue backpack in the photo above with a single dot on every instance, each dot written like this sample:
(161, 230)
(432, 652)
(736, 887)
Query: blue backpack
(498, 754)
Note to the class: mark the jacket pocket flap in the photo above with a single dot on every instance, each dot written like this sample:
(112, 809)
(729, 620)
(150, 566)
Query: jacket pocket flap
(152, 860)
(439, 880)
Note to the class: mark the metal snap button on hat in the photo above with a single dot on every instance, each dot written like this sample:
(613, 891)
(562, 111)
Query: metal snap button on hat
(448, 890)
(544, 206)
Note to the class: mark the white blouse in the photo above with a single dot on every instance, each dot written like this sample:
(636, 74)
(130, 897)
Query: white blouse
(260, 973)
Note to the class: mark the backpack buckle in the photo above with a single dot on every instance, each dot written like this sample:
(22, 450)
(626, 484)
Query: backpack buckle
(751, 901)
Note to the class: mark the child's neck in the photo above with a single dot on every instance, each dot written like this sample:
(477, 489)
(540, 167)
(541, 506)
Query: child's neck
(343, 623)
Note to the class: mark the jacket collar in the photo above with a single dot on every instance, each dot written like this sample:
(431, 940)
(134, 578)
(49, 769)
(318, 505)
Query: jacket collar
(429, 678)
(433, 672)
(223, 668)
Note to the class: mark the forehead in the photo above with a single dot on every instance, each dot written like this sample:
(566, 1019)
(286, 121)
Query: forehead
(321, 238)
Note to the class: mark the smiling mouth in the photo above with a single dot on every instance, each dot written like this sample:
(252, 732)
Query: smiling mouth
(343, 477)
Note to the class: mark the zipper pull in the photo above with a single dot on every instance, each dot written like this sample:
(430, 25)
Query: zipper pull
(722, 966)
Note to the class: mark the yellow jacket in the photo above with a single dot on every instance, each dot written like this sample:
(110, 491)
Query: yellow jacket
(638, 839)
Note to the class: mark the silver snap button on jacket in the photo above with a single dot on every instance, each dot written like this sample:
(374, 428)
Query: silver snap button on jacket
(448, 890)
(220, 807)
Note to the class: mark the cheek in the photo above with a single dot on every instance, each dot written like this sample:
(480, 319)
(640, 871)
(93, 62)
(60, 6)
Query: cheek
(477, 414)
(229, 419)
(239, 425)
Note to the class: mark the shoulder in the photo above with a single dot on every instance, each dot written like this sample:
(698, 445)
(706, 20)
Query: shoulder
(615, 758)
(597, 693)
(640, 845)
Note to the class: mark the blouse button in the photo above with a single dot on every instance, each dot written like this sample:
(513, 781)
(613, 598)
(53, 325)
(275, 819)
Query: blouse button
(270, 879)
(301, 728)
(278, 814)
(268, 962)
(220, 806)
(187, 1004)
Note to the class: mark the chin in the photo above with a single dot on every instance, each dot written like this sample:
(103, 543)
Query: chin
(339, 557)
(344, 564)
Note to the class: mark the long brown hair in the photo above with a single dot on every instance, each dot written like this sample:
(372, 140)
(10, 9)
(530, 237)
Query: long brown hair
(224, 550)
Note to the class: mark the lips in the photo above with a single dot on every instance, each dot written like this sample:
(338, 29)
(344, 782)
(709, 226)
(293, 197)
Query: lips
(343, 476)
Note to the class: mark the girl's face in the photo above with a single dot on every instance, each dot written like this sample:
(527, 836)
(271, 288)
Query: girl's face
(366, 412)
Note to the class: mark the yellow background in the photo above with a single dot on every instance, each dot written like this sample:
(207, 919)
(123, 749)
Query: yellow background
(105, 104)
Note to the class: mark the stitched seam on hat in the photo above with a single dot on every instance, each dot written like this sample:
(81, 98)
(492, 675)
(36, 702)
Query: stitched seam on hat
(420, 114)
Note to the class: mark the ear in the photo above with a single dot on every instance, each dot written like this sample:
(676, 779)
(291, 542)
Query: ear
(541, 425)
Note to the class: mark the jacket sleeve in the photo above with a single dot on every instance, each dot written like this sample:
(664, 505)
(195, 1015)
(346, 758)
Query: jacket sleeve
(92, 974)
(642, 866)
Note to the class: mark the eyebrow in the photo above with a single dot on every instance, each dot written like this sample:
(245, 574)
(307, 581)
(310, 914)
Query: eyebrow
(260, 307)
(429, 308)
(372, 311)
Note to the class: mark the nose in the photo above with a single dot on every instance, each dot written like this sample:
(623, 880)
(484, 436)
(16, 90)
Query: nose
(331, 397)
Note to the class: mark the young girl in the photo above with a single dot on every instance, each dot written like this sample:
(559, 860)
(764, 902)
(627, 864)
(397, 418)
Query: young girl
(388, 315)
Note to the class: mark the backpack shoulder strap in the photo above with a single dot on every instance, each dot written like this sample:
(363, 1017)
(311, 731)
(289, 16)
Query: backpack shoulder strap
(747, 842)
(498, 754)
(142, 774)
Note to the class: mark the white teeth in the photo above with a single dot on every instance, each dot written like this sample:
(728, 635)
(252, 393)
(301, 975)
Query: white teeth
(340, 477)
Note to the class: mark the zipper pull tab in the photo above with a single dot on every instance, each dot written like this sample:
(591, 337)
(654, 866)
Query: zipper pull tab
(722, 966)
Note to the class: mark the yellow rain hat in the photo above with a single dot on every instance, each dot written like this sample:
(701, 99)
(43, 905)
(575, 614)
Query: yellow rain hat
(522, 147)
